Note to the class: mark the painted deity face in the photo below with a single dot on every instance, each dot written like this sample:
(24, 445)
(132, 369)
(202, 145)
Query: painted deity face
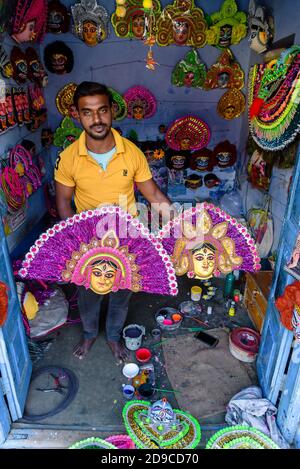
(223, 79)
(180, 31)
(225, 35)
(185, 144)
(59, 62)
(138, 26)
(188, 79)
(178, 161)
(103, 278)
(89, 33)
(27, 33)
(21, 70)
(138, 112)
(229, 112)
(223, 158)
(204, 262)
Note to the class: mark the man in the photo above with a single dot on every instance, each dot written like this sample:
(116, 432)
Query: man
(97, 169)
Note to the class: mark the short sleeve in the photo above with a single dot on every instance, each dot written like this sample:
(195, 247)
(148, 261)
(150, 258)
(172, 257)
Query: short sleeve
(142, 170)
(62, 171)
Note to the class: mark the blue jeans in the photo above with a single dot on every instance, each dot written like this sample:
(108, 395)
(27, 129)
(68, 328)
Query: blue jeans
(89, 304)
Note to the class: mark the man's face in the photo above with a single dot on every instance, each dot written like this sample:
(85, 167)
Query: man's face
(95, 114)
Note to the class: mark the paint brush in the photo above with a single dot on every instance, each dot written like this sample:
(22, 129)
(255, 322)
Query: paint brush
(165, 390)
(200, 322)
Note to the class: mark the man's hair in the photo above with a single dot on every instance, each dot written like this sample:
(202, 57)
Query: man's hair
(91, 88)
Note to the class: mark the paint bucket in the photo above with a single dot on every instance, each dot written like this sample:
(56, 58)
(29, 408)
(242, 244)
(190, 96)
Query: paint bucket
(128, 391)
(146, 390)
(196, 293)
(132, 335)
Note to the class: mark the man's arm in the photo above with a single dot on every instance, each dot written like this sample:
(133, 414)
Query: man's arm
(64, 196)
(153, 194)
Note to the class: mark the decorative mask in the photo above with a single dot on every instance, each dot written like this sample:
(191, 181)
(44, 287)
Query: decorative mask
(177, 160)
(193, 181)
(153, 151)
(227, 26)
(211, 180)
(189, 72)
(58, 18)
(182, 24)
(47, 138)
(5, 64)
(19, 64)
(90, 22)
(30, 21)
(225, 73)
(274, 101)
(261, 28)
(202, 160)
(188, 133)
(157, 425)
(232, 104)
(18, 104)
(205, 241)
(36, 71)
(58, 58)
(119, 105)
(99, 258)
(38, 108)
(66, 134)
(64, 101)
(137, 21)
(10, 113)
(225, 154)
(141, 103)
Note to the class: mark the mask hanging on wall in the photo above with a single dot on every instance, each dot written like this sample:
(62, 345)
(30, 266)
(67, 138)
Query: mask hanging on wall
(202, 160)
(135, 22)
(225, 73)
(36, 71)
(64, 101)
(181, 24)
(189, 72)
(119, 105)
(225, 154)
(193, 181)
(141, 103)
(261, 27)
(19, 64)
(58, 58)
(178, 160)
(227, 26)
(29, 21)
(232, 104)
(188, 133)
(5, 64)
(90, 22)
(274, 114)
(66, 133)
(58, 20)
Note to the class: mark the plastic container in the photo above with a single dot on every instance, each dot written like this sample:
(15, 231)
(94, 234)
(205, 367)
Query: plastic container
(143, 355)
(196, 292)
(229, 285)
(168, 324)
(130, 370)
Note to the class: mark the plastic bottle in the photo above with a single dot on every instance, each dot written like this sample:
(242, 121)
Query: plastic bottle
(229, 285)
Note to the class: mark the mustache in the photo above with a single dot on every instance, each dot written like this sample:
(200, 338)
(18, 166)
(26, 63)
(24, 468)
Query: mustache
(97, 125)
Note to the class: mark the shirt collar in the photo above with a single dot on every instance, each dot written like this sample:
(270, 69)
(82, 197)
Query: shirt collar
(118, 140)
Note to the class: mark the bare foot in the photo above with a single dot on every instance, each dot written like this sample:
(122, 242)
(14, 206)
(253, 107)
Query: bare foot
(82, 349)
(119, 351)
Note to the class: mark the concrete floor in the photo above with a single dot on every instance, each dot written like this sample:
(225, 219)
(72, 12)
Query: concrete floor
(97, 408)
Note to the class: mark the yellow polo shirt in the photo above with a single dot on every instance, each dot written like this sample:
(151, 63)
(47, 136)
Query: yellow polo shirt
(93, 186)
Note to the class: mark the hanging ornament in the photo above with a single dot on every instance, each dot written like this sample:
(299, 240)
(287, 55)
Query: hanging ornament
(64, 101)
(182, 24)
(274, 95)
(227, 26)
(58, 18)
(188, 133)
(29, 21)
(232, 104)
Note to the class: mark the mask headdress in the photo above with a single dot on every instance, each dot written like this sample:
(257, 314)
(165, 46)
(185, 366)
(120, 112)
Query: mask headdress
(225, 154)
(261, 27)
(188, 133)
(141, 103)
(89, 11)
(64, 101)
(89, 245)
(182, 24)
(205, 241)
(227, 26)
(190, 71)
(225, 73)
(27, 11)
(274, 96)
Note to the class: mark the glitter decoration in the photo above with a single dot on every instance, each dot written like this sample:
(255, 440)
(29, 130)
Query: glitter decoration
(104, 250)
(64, 100)
(66, 134)
(93, 443)
(240, 437)
(157, 425)
(119, 105)
(188, 133)
(227, 26)
(141, 103)
(274, 96)
(232, 104)
(206, 231)
(225, 73)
